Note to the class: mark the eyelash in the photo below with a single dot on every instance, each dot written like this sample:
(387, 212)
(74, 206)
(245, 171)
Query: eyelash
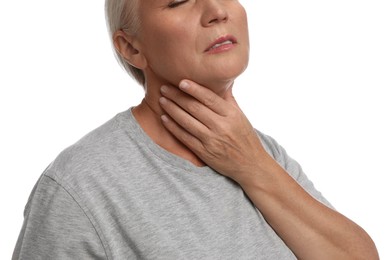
(176, 4)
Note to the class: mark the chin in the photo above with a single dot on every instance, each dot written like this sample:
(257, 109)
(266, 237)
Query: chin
(220, 80)
(219, 85)
(225, 74)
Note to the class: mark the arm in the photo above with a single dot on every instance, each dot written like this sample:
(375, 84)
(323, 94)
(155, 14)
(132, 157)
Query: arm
(55, 227)
(216, 130)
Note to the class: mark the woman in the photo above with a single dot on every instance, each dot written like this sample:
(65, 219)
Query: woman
(183, 175)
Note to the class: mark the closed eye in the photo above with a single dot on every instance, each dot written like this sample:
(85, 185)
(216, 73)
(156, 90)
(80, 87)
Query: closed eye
(176, 3)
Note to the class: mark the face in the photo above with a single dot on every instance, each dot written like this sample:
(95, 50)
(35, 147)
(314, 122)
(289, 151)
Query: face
(202, 40)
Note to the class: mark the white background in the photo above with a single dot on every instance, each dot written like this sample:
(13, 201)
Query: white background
(316, 82)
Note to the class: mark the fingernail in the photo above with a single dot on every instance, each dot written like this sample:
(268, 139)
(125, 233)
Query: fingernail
(163, 100)
(164, 118)
(164, 89)
(184, 85)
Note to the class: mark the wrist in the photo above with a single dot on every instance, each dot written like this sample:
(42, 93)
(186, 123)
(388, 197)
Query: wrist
(262, 174)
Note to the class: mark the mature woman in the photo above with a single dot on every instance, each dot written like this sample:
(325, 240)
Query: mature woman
(183, 175)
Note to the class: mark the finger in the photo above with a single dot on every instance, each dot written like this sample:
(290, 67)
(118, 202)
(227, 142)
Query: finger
(191, 105)
(183, 119)
(181, 134)
(205, 96)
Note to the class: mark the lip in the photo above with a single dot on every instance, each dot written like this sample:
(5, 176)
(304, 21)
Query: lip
(220, 40)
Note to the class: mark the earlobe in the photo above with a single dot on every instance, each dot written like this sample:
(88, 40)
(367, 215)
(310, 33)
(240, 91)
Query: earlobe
(128, 49)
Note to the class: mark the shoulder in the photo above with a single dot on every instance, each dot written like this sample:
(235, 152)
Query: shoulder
(280, 155)
(272, 147)
(89, 154)
(292, 167)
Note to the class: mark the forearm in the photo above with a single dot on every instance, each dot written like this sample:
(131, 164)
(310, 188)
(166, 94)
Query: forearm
(309, 228)
(217, 131)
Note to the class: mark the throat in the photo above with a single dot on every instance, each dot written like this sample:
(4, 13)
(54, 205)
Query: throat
(149, 118)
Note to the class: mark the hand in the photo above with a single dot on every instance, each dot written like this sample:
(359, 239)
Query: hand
(217, 131)
(214, 128)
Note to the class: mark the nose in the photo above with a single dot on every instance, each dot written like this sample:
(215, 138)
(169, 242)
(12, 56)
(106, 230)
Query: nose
(214, 12)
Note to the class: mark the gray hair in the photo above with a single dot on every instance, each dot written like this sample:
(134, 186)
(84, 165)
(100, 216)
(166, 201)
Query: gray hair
(122, 15)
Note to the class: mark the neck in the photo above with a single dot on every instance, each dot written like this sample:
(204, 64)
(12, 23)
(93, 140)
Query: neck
(148, 114)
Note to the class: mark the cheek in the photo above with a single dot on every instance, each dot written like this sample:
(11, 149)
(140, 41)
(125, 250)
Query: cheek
(244, 32)
(171, 46)
(243, 20)
(170, 37)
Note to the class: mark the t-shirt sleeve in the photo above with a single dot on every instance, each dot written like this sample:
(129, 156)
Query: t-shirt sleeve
(56, 227)
(292, 167)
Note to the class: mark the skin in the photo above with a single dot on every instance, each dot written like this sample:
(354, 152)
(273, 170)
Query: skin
(199, 120)
(174, 48)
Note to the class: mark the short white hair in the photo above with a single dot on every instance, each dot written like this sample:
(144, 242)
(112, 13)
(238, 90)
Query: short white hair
(123, 15)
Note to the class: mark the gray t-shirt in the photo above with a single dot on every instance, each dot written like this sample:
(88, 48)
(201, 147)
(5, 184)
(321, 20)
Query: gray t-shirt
(115, 194)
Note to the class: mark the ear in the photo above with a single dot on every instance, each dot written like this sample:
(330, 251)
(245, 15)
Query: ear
(128, 47)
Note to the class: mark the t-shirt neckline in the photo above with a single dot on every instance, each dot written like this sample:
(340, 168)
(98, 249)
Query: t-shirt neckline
(143, 140)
